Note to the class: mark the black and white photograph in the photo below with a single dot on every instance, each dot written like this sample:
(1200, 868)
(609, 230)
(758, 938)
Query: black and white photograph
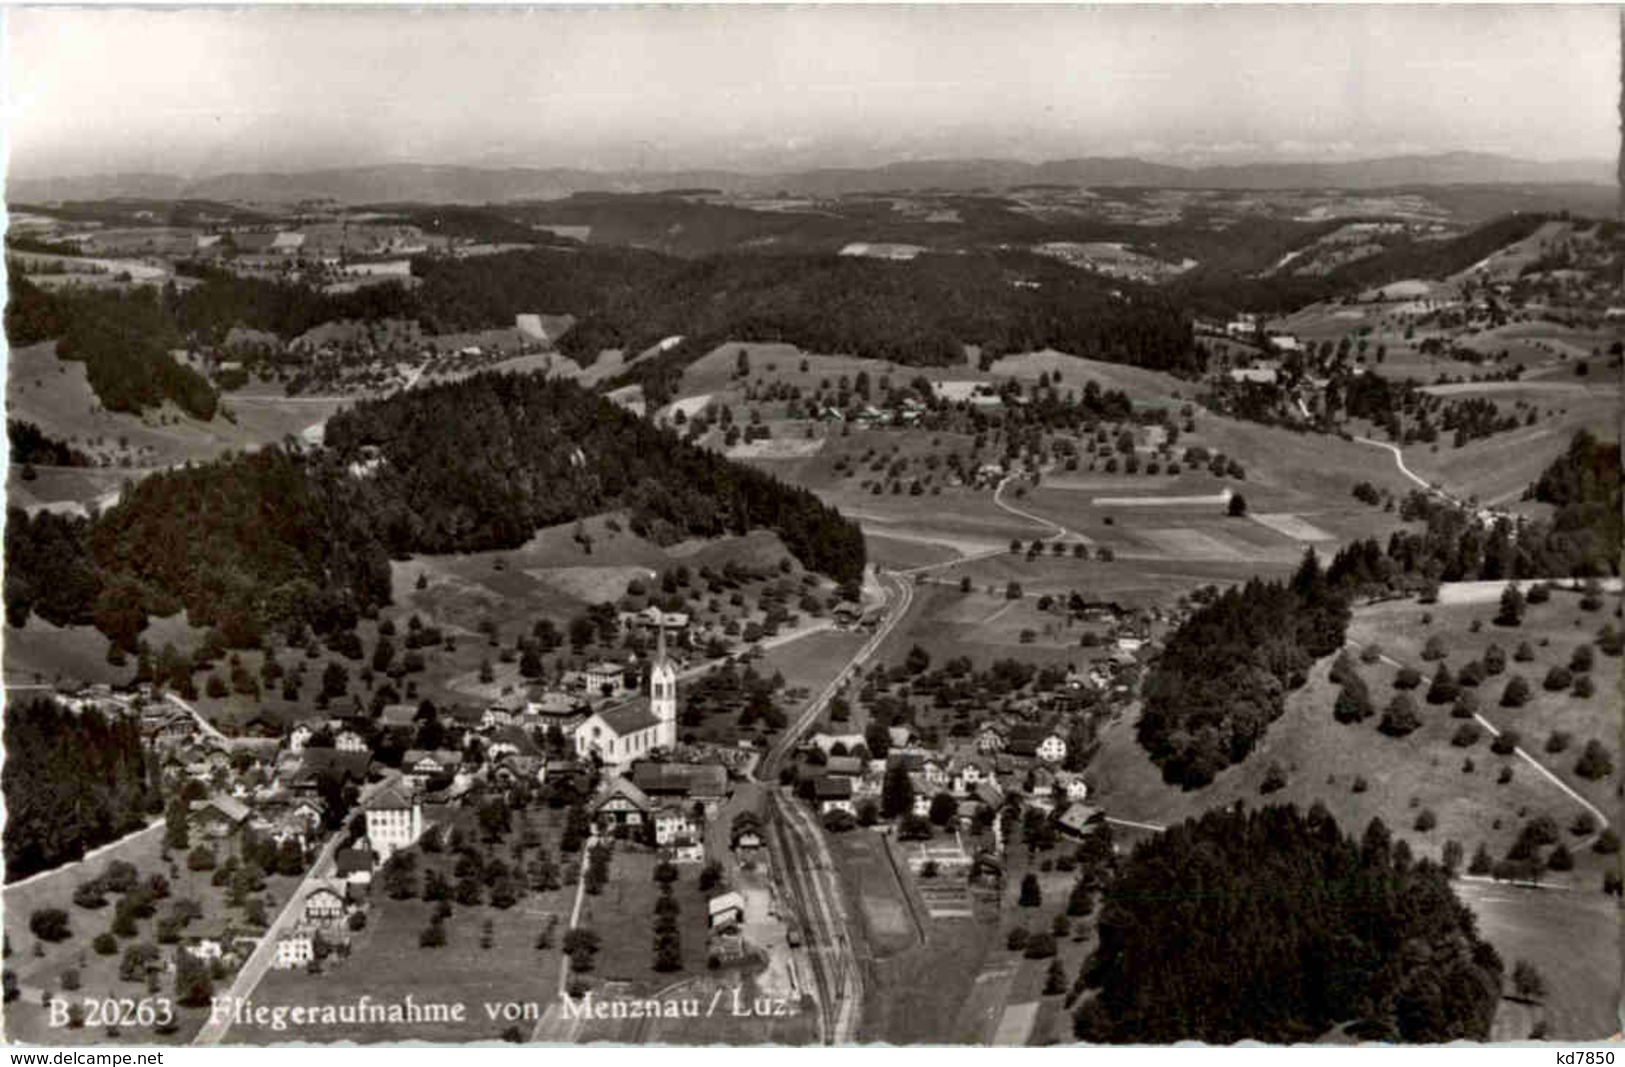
(758, 525)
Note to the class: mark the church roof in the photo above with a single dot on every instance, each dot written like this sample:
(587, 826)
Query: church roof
(626, 719)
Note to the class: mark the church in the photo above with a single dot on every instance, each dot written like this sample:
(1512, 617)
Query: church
(633, 730)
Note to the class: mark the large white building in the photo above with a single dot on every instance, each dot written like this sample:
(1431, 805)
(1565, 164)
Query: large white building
(617, 736)
(393, 822)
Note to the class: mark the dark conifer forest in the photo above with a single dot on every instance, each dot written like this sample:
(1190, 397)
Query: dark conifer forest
(1223, 676)
(1275, 926)
(288, 539)
(483, 463)
(73, 781)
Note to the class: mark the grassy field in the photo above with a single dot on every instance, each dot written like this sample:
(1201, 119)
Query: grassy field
(623, 916)
(1572, 938)
(1497, 470)
(55, 395)
(387, 964)
(1553, 630)
(871, 882)
(1323, 760)
(920, 996)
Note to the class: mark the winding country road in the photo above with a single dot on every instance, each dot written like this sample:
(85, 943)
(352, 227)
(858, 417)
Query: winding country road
(1057, 533)
(1399, 460)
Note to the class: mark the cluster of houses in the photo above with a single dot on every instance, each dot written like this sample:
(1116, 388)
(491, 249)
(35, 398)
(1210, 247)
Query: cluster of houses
(1019, 763)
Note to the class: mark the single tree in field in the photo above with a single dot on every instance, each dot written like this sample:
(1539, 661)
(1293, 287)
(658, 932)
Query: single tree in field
(1512, 606)
(1031, 895)
(1527, 981)
(1481, 862)
(1595, 762)
(1400, 717)
(1444, 688)
(1434, 649)
(1238, 506)
(1516, 694)
(896, 793)
(1054, 979)
(1452, 857)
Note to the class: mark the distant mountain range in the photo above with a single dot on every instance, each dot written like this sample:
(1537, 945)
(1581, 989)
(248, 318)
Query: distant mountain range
(426, 183)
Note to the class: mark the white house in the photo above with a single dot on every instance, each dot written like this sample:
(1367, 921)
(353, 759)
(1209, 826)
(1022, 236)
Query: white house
(673, 824)
(294, 950)
(324, 904)
(206, 949)
(349, 741)
(725, 908)
(604, 676)
(393, 822)
(1052, 749)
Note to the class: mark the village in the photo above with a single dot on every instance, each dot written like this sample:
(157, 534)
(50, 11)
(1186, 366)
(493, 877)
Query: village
(308, 827)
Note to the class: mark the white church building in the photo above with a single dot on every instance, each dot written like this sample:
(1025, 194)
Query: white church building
(638, 727)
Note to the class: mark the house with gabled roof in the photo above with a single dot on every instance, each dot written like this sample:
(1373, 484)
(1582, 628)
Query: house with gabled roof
(394, 821)
(219, 816)
(620, 803)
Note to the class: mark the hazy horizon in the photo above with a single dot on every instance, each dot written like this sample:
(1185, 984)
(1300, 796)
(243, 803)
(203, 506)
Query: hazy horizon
(204, 92)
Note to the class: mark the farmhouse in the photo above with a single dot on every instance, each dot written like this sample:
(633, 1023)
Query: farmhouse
(323, 905)
(833, 794)
(621, 804)
(702, 783)
(350, 741)
(421, 767)
(1077, 819)
(355, 865)
(219, 816)
(1036, 741)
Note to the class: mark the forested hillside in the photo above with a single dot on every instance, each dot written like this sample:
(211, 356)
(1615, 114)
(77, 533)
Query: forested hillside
(1222, 677)
(483, 463)
(288, 540)
(1584, 485)
(124, 340)
(1275, 926)
(73, 781)
(921, 312)
(1219, 291)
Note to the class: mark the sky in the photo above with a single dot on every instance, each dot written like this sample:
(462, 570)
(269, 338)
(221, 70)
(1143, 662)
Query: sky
(198, 92)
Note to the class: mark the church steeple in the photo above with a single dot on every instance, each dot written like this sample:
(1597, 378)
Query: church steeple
(663, 690)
